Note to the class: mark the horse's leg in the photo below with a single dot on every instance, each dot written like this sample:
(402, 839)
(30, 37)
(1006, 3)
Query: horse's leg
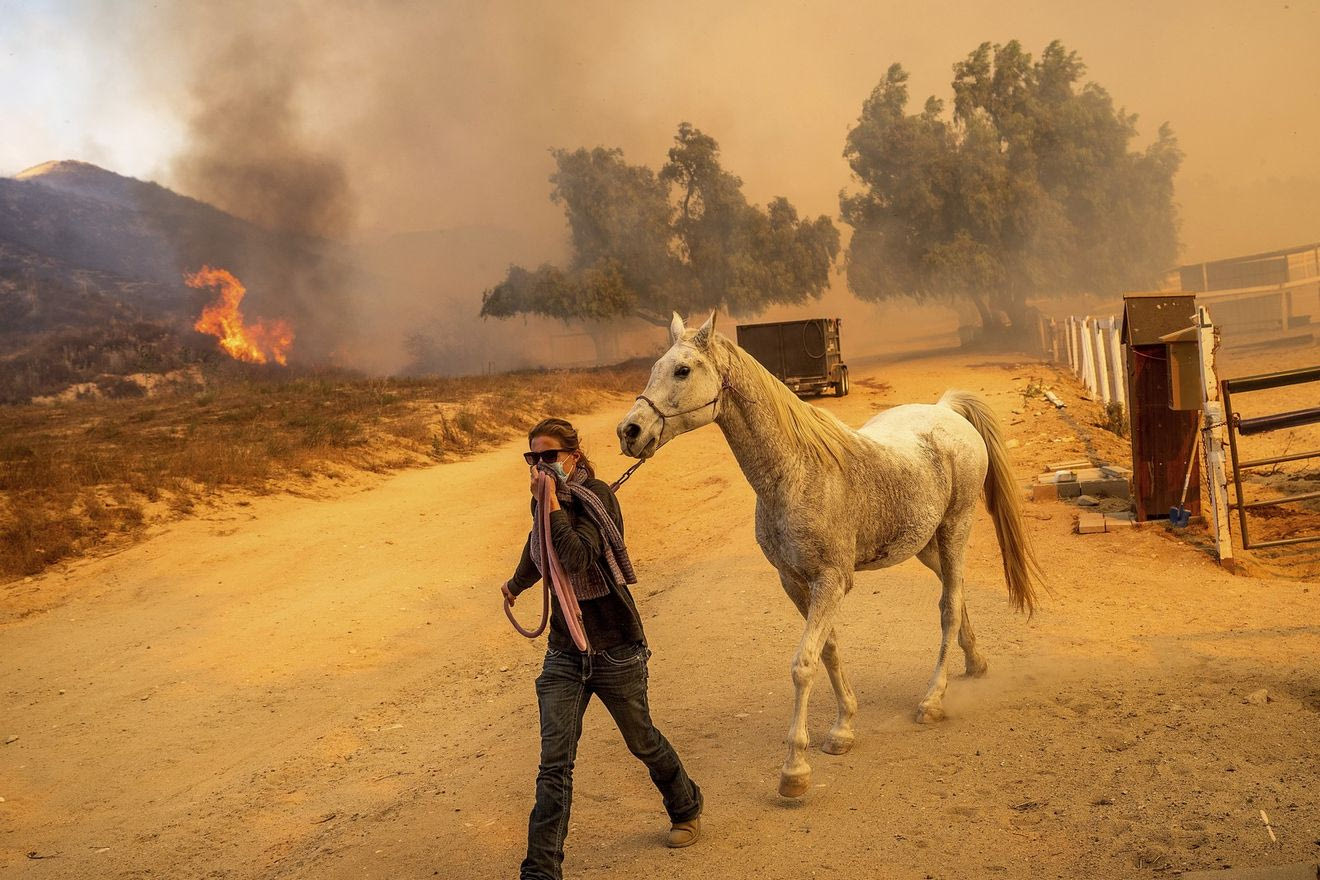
(824, 597)
(841, 735)
(951, 545)
(976, 665)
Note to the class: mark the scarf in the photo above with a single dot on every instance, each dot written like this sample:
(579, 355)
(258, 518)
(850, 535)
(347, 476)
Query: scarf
(591, 584)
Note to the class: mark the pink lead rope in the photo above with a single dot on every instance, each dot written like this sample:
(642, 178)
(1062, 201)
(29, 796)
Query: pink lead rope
(555, 576)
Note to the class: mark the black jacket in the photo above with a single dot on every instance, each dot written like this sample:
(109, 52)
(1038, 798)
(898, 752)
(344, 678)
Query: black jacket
(609, 621)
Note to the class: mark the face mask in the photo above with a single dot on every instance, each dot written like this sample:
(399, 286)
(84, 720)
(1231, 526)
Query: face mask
(559, 471)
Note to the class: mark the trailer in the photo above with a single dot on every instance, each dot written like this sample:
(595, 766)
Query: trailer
(804, 355)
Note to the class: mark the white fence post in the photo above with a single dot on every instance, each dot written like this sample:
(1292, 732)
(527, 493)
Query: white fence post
(1212, 434)
(1120, 363)
(1101, 358)
(1081, 349)
(1078, 369)
(1080, 325)
(1095, 355)
(1088, 356)
(1068, 339)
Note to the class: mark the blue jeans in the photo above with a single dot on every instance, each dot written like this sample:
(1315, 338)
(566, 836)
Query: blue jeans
(567, 681)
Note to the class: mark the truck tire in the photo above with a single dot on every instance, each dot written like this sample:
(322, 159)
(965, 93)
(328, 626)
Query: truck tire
(841, 387)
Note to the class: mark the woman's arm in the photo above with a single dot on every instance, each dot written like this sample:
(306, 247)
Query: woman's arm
(578, 544)
(526, 574)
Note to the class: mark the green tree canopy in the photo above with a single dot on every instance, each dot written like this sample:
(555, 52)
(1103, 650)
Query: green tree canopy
(647, 244)
(1027, 190)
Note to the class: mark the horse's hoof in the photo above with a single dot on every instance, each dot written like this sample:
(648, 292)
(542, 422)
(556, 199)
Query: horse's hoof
(837, 744)
(929, 714)
(977, 668)
(794, 785)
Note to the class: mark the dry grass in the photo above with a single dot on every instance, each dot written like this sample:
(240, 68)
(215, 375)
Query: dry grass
(90, 475)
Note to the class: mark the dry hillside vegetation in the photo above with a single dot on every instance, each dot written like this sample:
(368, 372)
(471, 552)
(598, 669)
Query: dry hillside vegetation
(89, 475)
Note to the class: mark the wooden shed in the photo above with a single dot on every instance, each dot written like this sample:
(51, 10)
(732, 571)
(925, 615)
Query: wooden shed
(1163, 439)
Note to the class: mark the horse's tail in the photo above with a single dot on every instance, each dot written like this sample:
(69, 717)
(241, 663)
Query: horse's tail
(1001, 498)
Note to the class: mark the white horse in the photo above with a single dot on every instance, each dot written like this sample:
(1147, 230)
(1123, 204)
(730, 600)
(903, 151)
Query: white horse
(831, 500)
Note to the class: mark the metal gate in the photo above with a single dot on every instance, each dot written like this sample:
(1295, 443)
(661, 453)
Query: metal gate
(1240, 427)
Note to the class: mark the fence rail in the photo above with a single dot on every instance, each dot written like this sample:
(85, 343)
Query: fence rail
(1092, 348)
(1238, 426)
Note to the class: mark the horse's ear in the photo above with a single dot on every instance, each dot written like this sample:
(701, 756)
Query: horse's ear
(676, 329)
(706, 333)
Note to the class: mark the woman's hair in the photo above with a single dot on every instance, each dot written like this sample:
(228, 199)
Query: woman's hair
(567, 435)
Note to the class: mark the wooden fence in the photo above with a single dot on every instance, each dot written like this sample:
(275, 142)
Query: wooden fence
(1092, 348)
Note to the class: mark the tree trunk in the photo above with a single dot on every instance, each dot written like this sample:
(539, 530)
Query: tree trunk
(983, 309)
(605, 338)
(994, 307)
(1015, 306)
(1008, 318)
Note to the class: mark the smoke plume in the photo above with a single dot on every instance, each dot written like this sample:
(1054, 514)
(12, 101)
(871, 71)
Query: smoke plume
(420, 133)
(248, 151)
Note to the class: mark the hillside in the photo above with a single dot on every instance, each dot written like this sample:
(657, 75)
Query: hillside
(92, 220)
(96, 257)
(92, 288)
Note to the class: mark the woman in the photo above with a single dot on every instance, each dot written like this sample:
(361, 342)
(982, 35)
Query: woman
(586, 530)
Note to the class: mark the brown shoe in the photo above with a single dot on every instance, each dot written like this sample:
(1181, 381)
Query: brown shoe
(684, 833)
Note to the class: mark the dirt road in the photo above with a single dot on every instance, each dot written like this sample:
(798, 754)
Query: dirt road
(327, 689)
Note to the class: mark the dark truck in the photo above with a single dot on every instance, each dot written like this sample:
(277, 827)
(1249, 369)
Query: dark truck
(804, 355)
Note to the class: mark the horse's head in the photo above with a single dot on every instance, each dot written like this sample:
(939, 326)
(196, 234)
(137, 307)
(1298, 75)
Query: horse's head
(683, 393)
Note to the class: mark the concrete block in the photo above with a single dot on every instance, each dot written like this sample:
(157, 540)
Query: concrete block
(1044, 492)
(1072, 465)
(1108, 487)
(1068, 490)
(1115, 523)
(1090, 523)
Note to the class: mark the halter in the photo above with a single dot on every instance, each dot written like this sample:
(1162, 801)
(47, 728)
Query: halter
(724, 386)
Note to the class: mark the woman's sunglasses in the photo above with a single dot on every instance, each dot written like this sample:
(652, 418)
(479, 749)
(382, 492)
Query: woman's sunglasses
(548, 456)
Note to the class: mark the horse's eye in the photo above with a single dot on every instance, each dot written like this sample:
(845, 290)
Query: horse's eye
(682, 372)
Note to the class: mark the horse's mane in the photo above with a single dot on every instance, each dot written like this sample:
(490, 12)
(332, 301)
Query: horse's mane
(819, 432)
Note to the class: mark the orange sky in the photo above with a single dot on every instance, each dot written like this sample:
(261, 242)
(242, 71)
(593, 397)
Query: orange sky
(1240, 83)
(442, 114)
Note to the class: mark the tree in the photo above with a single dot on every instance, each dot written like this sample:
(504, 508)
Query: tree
(1027, 190)
(647, 244)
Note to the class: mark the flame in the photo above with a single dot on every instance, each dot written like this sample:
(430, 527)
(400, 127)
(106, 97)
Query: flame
(255, 343)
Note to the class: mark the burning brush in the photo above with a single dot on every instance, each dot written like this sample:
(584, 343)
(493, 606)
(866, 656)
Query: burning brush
(255, 343)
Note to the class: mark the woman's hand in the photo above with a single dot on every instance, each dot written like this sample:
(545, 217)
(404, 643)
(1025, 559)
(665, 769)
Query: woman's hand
(508, 596)
(537, 476)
